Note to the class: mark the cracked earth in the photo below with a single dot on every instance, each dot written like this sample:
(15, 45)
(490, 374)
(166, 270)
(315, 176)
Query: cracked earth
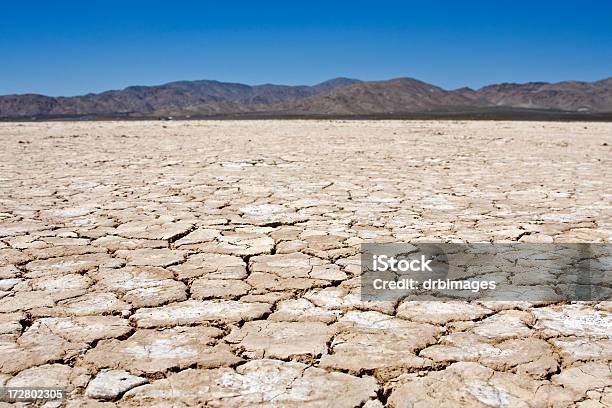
(217, 263)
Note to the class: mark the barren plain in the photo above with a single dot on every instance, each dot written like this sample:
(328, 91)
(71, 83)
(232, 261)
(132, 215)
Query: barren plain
(216, 263)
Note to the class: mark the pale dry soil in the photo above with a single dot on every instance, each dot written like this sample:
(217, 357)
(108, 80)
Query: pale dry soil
(217, 263)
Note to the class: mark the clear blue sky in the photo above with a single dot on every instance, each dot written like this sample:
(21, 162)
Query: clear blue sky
(74, 47)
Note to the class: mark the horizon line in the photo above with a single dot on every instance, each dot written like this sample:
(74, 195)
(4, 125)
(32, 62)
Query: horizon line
(300, 85)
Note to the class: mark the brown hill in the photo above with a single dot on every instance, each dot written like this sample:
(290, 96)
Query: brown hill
(340, 96)
(406, 95)
(567, 96)
(176, 98)
(393, 96)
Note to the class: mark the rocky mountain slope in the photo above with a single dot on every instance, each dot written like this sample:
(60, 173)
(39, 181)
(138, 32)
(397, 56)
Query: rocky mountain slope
(175, 98)
(340, 96)
(406, 95)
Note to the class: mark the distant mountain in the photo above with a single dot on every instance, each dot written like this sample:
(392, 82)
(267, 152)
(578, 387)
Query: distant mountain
(175, 98)
(393, 96)
(339, 96)
(406, 95)
(567, 96)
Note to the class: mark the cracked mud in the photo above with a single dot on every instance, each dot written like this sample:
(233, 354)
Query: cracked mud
(217, 263)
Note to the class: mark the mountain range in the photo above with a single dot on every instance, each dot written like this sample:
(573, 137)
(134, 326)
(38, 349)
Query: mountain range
(336, 97)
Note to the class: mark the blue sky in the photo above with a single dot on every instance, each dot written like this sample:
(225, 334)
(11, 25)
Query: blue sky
(68, 48)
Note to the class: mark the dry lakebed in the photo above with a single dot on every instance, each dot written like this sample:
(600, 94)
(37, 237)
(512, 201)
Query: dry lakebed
(216, 263)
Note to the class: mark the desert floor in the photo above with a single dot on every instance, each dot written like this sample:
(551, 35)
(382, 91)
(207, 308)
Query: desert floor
(217, 262)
